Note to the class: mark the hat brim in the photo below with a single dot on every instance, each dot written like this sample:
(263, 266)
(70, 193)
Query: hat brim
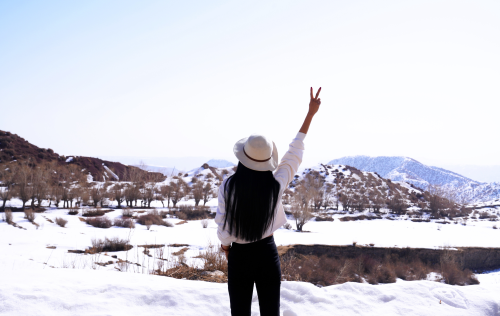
(269, 165)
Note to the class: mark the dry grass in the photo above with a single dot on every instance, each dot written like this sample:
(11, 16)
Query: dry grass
(127, 212)
(99, 222)
(108, 245)
(153, 218)
(192, 213)
(124, 222)
(327, 271)
(93, 212)
(29, 214)
(214, 268)
(61, 221)
(358, 218)
(324, 219)
(7, 216)
(180, 252)
(74, 211)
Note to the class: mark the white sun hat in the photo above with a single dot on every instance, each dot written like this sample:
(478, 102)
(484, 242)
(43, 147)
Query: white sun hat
(257, 152)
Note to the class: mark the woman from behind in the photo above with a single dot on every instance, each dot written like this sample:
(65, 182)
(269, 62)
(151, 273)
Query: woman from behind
(250, 211)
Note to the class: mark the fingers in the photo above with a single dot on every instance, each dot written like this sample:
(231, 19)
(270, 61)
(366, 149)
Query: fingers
(311, 92)
(317, 94)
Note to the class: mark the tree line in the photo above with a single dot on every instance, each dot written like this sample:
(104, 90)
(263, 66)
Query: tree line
(67, 186)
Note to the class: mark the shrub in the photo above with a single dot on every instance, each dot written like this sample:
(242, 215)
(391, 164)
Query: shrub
(99, 222)
(214, 259)
(191, 213)
(153, 218)
(73, 211)
(287, 226)
(323, 270)
(93, 212)
(123, 222)
(61, 221)
(29, 214)
(324, 219)
(484, 215)
(109, 245)
(204, 223)
(127, 212)
(453, 275)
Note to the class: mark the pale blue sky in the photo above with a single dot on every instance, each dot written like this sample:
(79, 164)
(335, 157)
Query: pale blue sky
(190, 78)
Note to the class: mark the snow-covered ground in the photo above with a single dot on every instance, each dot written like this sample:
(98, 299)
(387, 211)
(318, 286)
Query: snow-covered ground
(87, 292)
(40, 277)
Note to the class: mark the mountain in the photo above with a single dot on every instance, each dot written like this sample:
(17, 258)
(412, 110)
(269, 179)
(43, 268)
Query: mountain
(16, 148)
(220, 163)
(409, 170)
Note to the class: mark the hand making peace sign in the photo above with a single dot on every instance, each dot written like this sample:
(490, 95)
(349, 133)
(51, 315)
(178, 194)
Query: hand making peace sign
(315, 102)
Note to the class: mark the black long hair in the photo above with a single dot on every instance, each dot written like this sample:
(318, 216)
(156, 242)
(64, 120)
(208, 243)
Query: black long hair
(251, 197)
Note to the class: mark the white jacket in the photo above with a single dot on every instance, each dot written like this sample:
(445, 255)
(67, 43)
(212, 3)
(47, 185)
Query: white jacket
(284, 174)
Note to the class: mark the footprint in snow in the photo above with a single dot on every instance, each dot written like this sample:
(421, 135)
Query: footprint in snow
(450, 297)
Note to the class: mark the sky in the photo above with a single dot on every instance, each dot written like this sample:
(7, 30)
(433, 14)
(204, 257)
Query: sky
(190, 78)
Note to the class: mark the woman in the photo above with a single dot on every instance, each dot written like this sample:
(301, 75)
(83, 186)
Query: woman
(249, 212)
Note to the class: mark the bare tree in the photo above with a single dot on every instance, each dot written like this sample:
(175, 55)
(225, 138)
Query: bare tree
(118, 193)
(197, 192)
(7, 176)
(40, 185)
(208, 193)
(97, 195)
(313, 183)
(23, 181)
(397, 204)
(148, 194)
(301, 211)
(166, 193)
(177, 191)
(347, 193)
(441, 200)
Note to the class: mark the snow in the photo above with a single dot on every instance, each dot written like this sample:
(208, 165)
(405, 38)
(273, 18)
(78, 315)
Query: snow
(70, 159)
(87, 292)
(111, 172)
(36, 280)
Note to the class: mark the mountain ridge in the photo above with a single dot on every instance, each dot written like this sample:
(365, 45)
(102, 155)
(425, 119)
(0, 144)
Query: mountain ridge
(406, 169)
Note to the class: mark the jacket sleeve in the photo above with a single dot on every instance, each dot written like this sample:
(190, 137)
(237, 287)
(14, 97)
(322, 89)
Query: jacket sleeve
(290, 162)
(223, 234)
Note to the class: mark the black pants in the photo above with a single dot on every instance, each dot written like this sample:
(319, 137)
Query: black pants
(258, 263)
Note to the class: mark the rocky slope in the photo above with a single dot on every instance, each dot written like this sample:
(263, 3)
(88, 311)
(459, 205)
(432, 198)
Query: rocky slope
(16, 148)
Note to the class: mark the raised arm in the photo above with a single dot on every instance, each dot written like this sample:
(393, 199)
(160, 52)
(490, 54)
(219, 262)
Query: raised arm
(313, 108)
(293, 157)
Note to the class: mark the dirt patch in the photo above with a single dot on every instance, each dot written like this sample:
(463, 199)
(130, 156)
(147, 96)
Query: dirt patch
(180, 223)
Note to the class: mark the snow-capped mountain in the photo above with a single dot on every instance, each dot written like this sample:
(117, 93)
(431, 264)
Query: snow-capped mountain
(410, 170)
(220, 163)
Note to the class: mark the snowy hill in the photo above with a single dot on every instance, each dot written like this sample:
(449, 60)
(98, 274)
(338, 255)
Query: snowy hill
(411, 171)
(220, 163)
